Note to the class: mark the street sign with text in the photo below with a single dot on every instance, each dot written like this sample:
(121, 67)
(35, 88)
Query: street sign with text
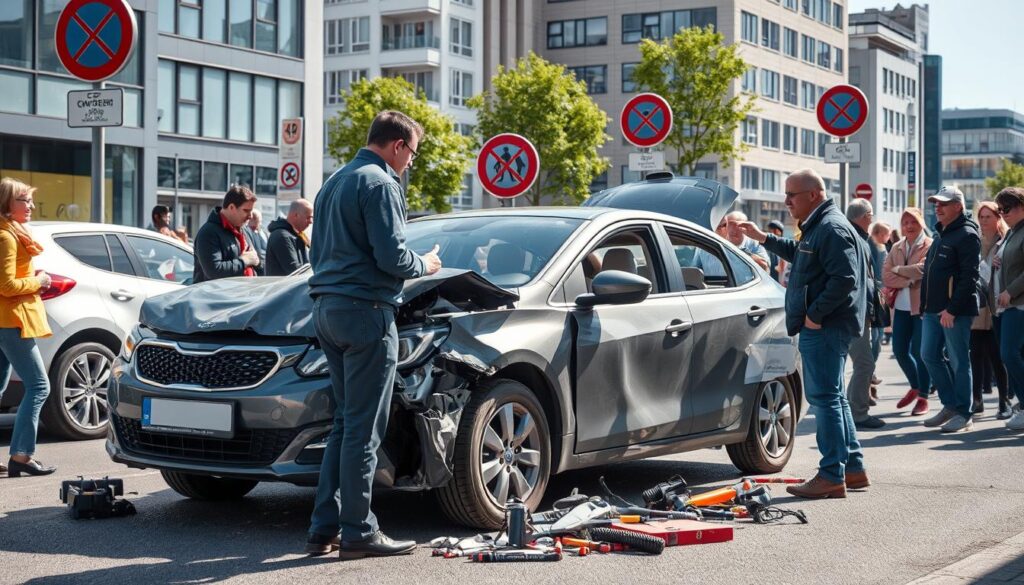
(96, 108)
(289, 171)
(647, 161)
(842, 152)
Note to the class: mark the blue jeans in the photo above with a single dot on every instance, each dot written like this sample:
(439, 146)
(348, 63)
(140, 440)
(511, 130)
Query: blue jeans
(906, 346)
(952, 378)
(1011, 349)
(360, 342)
(823, 352)
(23, 355)
(876, 341)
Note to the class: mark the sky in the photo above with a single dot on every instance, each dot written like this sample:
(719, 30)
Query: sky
(978, 42)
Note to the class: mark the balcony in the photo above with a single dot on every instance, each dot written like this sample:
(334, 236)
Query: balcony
(411, 51)
(409, 7)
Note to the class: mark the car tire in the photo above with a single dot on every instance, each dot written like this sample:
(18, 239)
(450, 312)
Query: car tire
(470, 497)
(77, 408)
(206, 487)
(772, 433)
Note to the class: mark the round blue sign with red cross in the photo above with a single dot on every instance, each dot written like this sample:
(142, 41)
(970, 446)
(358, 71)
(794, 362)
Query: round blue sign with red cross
(95, 38)
(507, 165)
(842, 110)
(646, 120)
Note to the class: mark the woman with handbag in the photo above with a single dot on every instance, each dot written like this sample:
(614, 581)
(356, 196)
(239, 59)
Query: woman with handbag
(22, 320)
(985, 361)
(901, 276)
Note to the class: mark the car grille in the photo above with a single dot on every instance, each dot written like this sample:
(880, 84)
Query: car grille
(248, 447)
(216, 371)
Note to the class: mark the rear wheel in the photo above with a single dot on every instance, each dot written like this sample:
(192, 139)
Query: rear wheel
(205, 487)
(503, 450)
(77, 408)
(769, 442)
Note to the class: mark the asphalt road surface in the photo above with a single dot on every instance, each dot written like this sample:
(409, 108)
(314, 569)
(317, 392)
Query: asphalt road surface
(935, 499)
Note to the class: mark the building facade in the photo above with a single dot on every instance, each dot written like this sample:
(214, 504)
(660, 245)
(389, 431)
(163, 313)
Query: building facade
(886, 62)
(974, 144)
(437, 45)
(204, 94)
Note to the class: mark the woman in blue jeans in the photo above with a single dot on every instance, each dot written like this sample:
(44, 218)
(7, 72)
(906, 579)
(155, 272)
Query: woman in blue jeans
(22, 320)
(904, 268)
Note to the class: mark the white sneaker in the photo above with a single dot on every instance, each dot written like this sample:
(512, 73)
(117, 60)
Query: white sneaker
(958, 423)
(1016, 422)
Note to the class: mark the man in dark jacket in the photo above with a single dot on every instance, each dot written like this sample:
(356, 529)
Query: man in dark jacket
(257, 236)
(827, 305)
(221, 249)
(949, 303)
(360, 262)
(860, 214)
(287, 247)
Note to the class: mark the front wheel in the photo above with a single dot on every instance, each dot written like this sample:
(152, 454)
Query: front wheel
(769, 442)
(205, 487)
(503, 450)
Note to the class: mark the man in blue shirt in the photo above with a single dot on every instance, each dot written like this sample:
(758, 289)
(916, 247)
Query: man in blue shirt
(360, 262)
(728, 229)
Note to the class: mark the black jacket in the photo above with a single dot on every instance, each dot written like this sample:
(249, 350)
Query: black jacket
(215, 251)
(828, 279)
(950, 280)
(877, 313)
(286, 252)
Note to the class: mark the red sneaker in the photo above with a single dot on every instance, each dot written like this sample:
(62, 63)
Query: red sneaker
(910, 396)
(920, 408)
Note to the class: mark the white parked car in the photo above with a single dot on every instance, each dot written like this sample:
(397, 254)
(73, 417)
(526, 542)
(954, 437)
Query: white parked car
(101, 275)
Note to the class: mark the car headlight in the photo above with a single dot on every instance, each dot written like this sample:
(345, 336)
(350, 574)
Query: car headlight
(130, 342)
(413, 346)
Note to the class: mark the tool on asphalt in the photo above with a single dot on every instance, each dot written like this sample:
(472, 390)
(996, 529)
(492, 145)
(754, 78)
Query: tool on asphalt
(516, 514)
(636, 541)
(515, 556)
(661, 495)
(95, 498)
(559, 508)
(601, 547)
(784, 480)
(770, 514)
(679, 532)
(746, 488)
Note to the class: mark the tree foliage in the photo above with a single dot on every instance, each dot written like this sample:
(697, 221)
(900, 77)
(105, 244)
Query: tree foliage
(694, 70)
(1010, 174)
(444, 154)
(544, 103)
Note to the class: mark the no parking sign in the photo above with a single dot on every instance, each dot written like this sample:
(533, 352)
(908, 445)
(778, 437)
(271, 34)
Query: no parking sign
(95, 38)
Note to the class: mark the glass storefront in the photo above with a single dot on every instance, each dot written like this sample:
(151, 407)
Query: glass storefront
(60, 170)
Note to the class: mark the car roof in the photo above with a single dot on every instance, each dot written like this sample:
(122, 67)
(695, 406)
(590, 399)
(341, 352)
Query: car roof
(61, 227)
(695, 199)
(603, 215)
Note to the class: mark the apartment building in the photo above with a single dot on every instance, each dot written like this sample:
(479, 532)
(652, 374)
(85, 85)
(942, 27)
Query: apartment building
(974, 144)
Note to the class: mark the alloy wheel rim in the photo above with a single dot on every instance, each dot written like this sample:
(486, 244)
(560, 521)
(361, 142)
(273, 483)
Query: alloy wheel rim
(510, 455)
(775, 418)
(84, 390)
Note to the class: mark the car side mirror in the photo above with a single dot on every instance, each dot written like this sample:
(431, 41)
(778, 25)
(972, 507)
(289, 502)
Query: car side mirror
(615, 287)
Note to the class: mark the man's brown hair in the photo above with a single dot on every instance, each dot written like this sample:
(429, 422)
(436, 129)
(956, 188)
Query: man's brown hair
(390, 125)
(1010, 197)
(237, 195)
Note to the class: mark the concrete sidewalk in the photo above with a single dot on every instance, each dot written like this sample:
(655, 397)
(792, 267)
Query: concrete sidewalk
(1002, 563)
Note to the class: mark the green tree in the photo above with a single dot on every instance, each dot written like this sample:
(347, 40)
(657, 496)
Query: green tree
(444, 154)
(544, 103)
(694, 70)
(1010, 174)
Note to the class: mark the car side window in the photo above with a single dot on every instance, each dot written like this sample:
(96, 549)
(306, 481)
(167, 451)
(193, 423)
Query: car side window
(90, 249)
(122, 264)
(627, 251)
(741, 271)
(701, 265)
(162, 261)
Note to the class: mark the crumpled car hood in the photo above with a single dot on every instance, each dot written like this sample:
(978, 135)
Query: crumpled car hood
(282, 307)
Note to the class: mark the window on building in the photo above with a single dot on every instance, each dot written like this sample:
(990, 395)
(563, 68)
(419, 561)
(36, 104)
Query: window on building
(462, 87)
(808, 96)
(188, 18)
(347, 35)
(17, 92)
(628, 85)
(824, 11)
(595, 76)
(808, 47)
(190, 174)
(266, 25)
(791, 4)
(336, 82)
(584, 32)
(789, 90)
(240, 112)
(750, 80)
(838, 63)
(241, 23)
(215, 21)
(769, 134)
(215, 177)
(750, 177)
(885, 80)
(749, 130)
(462, 37)
(838, 20)
(660, 25)
(769, 34)
(789, 138)
(823, 139)
(264, 113)
(770, 84)
(807, 7)
(749, 30)
(806, 142)
(17, 46)
(188, 100)
(824, 55)
(770, 180)
(166, 80)
(790, 43)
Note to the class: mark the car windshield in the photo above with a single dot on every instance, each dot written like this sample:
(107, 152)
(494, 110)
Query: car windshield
(509, 251)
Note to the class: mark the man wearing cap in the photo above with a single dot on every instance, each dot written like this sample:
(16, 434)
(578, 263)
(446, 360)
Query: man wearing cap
(776, 229)
(949, 303)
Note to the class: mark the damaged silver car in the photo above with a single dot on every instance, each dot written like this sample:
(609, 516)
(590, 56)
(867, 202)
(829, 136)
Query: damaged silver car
(554, 339)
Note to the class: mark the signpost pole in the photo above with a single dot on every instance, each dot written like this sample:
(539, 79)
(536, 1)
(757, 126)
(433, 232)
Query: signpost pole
(843, 187)
(177, 214)
(99, 166)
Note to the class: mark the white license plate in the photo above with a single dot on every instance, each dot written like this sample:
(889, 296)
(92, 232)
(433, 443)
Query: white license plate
(188, 417)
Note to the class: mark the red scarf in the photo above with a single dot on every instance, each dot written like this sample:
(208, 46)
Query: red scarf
(242, 244)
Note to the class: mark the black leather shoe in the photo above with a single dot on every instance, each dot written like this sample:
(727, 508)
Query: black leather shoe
(871, 422)
(977, 407)
(378, 545)
(33, 467)
(321, 544)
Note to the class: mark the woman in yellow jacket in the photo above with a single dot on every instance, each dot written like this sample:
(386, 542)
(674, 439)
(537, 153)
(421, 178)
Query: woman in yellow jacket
(22, 320)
